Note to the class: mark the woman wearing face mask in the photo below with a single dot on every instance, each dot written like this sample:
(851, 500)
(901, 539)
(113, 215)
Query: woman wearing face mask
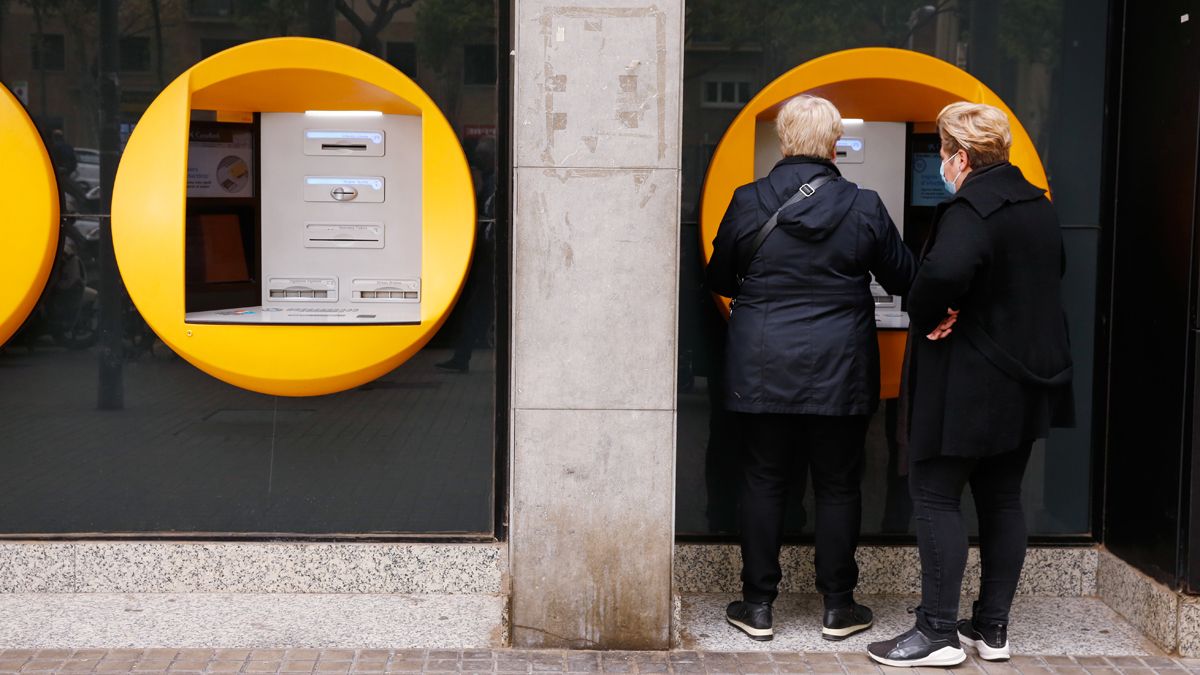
(989, 373)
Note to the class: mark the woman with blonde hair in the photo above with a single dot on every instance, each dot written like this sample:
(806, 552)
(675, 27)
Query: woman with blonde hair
(989, 373)
(796, 251)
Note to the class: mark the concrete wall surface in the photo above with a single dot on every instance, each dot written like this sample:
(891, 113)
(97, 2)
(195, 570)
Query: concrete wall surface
(595, 262)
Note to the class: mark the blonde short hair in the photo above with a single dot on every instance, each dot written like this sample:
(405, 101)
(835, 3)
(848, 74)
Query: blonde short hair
(980, 129)
(808, 126)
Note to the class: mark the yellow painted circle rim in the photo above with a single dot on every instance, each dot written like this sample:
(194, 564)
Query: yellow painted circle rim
(149, 202)
(29, 215)
(732, 163)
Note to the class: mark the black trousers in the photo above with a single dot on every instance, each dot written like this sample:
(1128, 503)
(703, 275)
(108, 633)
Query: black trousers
(832, 449)
(937, 485)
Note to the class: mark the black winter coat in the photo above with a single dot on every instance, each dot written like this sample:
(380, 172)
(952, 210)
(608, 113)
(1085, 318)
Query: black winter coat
(1002, 378)
(801, 335)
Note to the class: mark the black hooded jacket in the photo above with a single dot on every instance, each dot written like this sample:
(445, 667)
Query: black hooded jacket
(801, 334)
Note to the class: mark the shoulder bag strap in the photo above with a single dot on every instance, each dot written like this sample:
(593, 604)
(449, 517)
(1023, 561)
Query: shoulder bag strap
(806, 190)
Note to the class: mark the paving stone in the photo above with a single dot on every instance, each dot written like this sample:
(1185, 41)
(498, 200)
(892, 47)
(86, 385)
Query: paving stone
(114, 665)
(39, 664)
(151, 665)
(369, 662)
(1160, 662)
(405, 666)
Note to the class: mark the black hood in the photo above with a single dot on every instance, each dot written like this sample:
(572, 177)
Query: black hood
(811, 219)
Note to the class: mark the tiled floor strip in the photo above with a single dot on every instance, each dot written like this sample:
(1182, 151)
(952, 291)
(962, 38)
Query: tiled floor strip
(345, 661)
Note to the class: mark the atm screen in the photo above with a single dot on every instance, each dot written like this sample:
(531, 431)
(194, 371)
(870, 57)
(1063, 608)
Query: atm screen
(923, 189)
(925, 178)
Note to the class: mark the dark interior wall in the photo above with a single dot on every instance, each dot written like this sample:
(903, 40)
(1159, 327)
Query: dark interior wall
(1074, 154)
(1152, 313)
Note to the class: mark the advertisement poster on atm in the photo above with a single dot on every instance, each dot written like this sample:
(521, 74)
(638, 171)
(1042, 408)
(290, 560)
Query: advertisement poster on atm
(220, 162)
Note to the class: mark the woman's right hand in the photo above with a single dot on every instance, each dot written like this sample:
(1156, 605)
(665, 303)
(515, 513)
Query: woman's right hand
(944, 328)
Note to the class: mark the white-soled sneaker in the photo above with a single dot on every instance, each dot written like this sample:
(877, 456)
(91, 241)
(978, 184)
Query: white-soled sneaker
(991, 642)
(839, 624)
(752, 618)
(915, 649)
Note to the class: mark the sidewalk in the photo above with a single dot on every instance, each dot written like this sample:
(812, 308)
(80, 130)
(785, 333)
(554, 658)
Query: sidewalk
(342, 662)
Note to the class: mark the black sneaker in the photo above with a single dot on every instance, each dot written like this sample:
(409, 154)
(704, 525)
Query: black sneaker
(914, 648)
(991, 641)
(752, 618)
(840, 624)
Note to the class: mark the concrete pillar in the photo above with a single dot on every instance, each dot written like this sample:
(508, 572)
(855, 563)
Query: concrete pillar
(596, 241)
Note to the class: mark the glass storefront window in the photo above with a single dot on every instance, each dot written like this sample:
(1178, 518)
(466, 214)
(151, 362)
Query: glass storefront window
(412, 452)
(1046, 60)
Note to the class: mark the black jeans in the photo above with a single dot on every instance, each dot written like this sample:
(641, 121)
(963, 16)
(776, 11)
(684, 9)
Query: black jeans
(937, 485)
(832, 448)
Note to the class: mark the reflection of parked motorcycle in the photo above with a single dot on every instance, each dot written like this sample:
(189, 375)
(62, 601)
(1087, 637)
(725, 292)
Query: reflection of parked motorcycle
(68, 309)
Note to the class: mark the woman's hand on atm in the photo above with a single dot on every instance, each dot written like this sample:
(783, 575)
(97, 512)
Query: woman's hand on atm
(946, 326)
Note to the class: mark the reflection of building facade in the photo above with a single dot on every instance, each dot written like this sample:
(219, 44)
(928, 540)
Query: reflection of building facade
(61, 95)
(568, 463)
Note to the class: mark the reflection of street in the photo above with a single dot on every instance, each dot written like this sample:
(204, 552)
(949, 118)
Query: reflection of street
(704, 507)
(411, 451)
(694, 500)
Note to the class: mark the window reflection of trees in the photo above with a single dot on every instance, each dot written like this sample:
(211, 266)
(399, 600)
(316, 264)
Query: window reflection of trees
(1014, 46)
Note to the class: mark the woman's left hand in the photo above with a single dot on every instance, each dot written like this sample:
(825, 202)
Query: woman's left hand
(944, 328)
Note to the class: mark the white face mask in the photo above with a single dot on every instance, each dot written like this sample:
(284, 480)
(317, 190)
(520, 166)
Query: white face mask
(951, 186)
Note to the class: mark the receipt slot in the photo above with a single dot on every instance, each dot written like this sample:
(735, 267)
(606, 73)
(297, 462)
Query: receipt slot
(29, 205)
(873, 155)
(294, 216)
(898, 93)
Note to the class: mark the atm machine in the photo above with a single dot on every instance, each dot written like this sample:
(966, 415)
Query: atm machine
(338, 218)
(891, 158)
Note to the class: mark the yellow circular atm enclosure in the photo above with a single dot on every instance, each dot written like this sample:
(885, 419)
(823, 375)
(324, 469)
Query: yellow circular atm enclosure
(871, 84)
(28, 215)
(292, 75)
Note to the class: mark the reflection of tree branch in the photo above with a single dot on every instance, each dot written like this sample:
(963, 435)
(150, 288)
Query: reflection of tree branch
(942, 7)
(368, 33)
(352, 16)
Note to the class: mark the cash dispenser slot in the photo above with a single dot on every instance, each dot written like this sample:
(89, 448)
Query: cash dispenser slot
(850, 150)
(319, 142)
(343, 235)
